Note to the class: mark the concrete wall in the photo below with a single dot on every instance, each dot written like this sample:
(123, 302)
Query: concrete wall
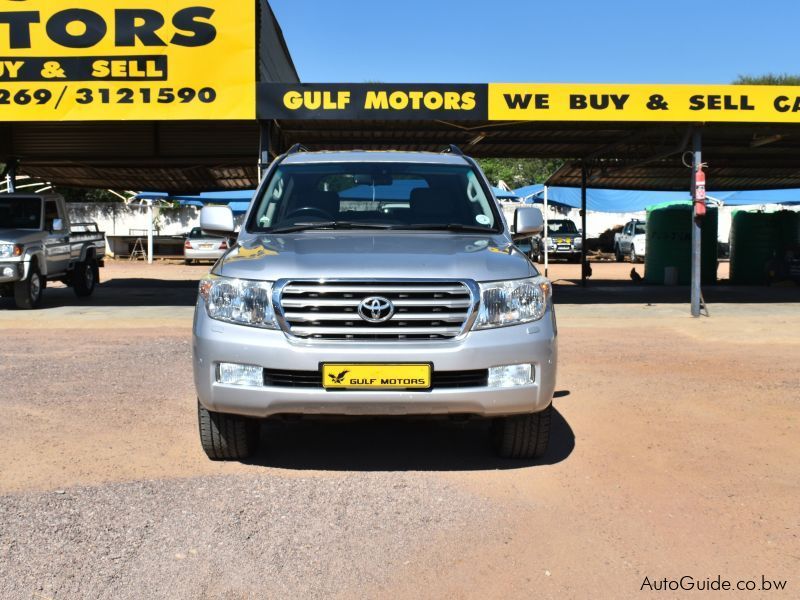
(119, 219)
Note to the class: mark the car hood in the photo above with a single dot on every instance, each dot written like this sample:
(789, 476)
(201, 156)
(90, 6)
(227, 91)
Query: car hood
(385, 255)
(20, 236)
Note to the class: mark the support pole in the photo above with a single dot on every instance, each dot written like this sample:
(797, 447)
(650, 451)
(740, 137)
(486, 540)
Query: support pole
(697, 160)
(546, 231)
(11, 176)
(583, 224)
(150, 232)
(263, 152)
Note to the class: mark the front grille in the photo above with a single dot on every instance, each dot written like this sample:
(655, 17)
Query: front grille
(329, 310)
(313, 379)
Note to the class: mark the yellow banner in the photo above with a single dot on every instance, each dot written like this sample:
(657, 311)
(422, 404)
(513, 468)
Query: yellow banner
(75, 60)
(651, 103)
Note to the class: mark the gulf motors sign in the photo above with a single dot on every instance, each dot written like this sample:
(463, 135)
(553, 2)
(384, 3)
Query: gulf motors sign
(127, 59)
(532, 102)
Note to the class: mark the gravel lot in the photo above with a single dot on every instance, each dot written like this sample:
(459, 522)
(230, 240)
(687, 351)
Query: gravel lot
(223, 536)
(675, 453)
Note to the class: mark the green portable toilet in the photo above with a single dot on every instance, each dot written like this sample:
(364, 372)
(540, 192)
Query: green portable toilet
(669, 244)
(757, 239)
(753, 243)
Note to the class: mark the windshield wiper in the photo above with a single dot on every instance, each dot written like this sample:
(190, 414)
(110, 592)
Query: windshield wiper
(457, 227)
(328, 225)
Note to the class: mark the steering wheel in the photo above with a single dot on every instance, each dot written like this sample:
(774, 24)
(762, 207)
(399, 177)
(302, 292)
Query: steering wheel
(310, 209)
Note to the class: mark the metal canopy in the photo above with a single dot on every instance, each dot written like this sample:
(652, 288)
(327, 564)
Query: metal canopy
(194, 156)
(740, 157)
(177, 157)
(618, 156)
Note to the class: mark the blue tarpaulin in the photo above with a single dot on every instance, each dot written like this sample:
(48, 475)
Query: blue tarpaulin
(238, 201)
(501, 194)
(622, 201)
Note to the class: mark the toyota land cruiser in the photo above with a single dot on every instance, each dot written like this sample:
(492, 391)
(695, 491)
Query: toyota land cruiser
(374, 283)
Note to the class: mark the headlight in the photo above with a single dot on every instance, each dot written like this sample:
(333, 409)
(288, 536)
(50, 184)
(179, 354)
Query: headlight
(9, 250)
(506, 303)
(239, 301)
(577, 242)
(551, 243)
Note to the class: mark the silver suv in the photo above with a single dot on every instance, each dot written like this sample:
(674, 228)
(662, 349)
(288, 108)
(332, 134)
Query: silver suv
(374, 283)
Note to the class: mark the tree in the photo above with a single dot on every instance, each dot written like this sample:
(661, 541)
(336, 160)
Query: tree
(768, 79)
(518, 172)
(87, 195)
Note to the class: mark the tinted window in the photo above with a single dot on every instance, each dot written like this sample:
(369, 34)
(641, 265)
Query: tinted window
(20, 213)
(402, 195)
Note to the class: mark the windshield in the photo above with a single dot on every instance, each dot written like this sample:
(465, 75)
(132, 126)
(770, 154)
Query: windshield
(561, 227)
(20, 213)
(379, 195)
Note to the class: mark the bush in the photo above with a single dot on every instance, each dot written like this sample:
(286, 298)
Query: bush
(606, 240)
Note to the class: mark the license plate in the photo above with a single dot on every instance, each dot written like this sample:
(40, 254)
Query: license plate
(206, 246)
(376, 376)
(567, 248)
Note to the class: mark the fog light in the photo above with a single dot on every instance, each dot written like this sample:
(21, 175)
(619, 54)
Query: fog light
(9, 272)
(232, 374)
(511, 376)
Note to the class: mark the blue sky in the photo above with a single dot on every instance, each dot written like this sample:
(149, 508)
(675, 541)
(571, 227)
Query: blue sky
(581, 41)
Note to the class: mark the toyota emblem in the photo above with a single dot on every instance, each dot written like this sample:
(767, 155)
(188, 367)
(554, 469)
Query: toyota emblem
(376, 309)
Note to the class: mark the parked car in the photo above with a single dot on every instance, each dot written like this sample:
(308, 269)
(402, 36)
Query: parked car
(37, 245)
(631, 242)
(201, 246)
(563, 241)
(339, 308)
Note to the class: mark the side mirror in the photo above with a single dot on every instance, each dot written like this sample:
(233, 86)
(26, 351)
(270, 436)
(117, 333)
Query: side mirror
(527, 221)
(58, 225)
(217, 220)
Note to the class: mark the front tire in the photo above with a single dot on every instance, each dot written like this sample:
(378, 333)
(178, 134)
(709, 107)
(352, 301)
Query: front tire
(227, 437)
(84, 279)
(523, 436)
(28, 292)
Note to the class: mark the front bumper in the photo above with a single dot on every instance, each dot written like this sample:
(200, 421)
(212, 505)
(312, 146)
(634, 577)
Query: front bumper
(216, 342)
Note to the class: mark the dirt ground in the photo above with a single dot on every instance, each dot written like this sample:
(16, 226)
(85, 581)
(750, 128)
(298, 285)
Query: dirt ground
(675, 453)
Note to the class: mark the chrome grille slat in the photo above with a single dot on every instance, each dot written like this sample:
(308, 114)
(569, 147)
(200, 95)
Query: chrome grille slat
(328, 310)
(301, 331)
(320, 302)
(315, 316)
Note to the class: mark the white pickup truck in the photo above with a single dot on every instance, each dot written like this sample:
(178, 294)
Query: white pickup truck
(37, 245)
(631, 242)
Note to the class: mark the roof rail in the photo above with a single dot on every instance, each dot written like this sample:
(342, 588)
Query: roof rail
(297, 148)
(453, 149)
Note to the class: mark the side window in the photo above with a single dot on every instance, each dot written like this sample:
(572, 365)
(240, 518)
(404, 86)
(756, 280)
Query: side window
(50, 214)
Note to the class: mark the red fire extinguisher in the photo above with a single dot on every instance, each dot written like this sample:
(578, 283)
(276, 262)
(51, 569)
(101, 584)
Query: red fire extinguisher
(700, 193)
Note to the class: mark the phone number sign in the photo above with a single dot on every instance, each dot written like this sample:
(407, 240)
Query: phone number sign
(74, 60)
